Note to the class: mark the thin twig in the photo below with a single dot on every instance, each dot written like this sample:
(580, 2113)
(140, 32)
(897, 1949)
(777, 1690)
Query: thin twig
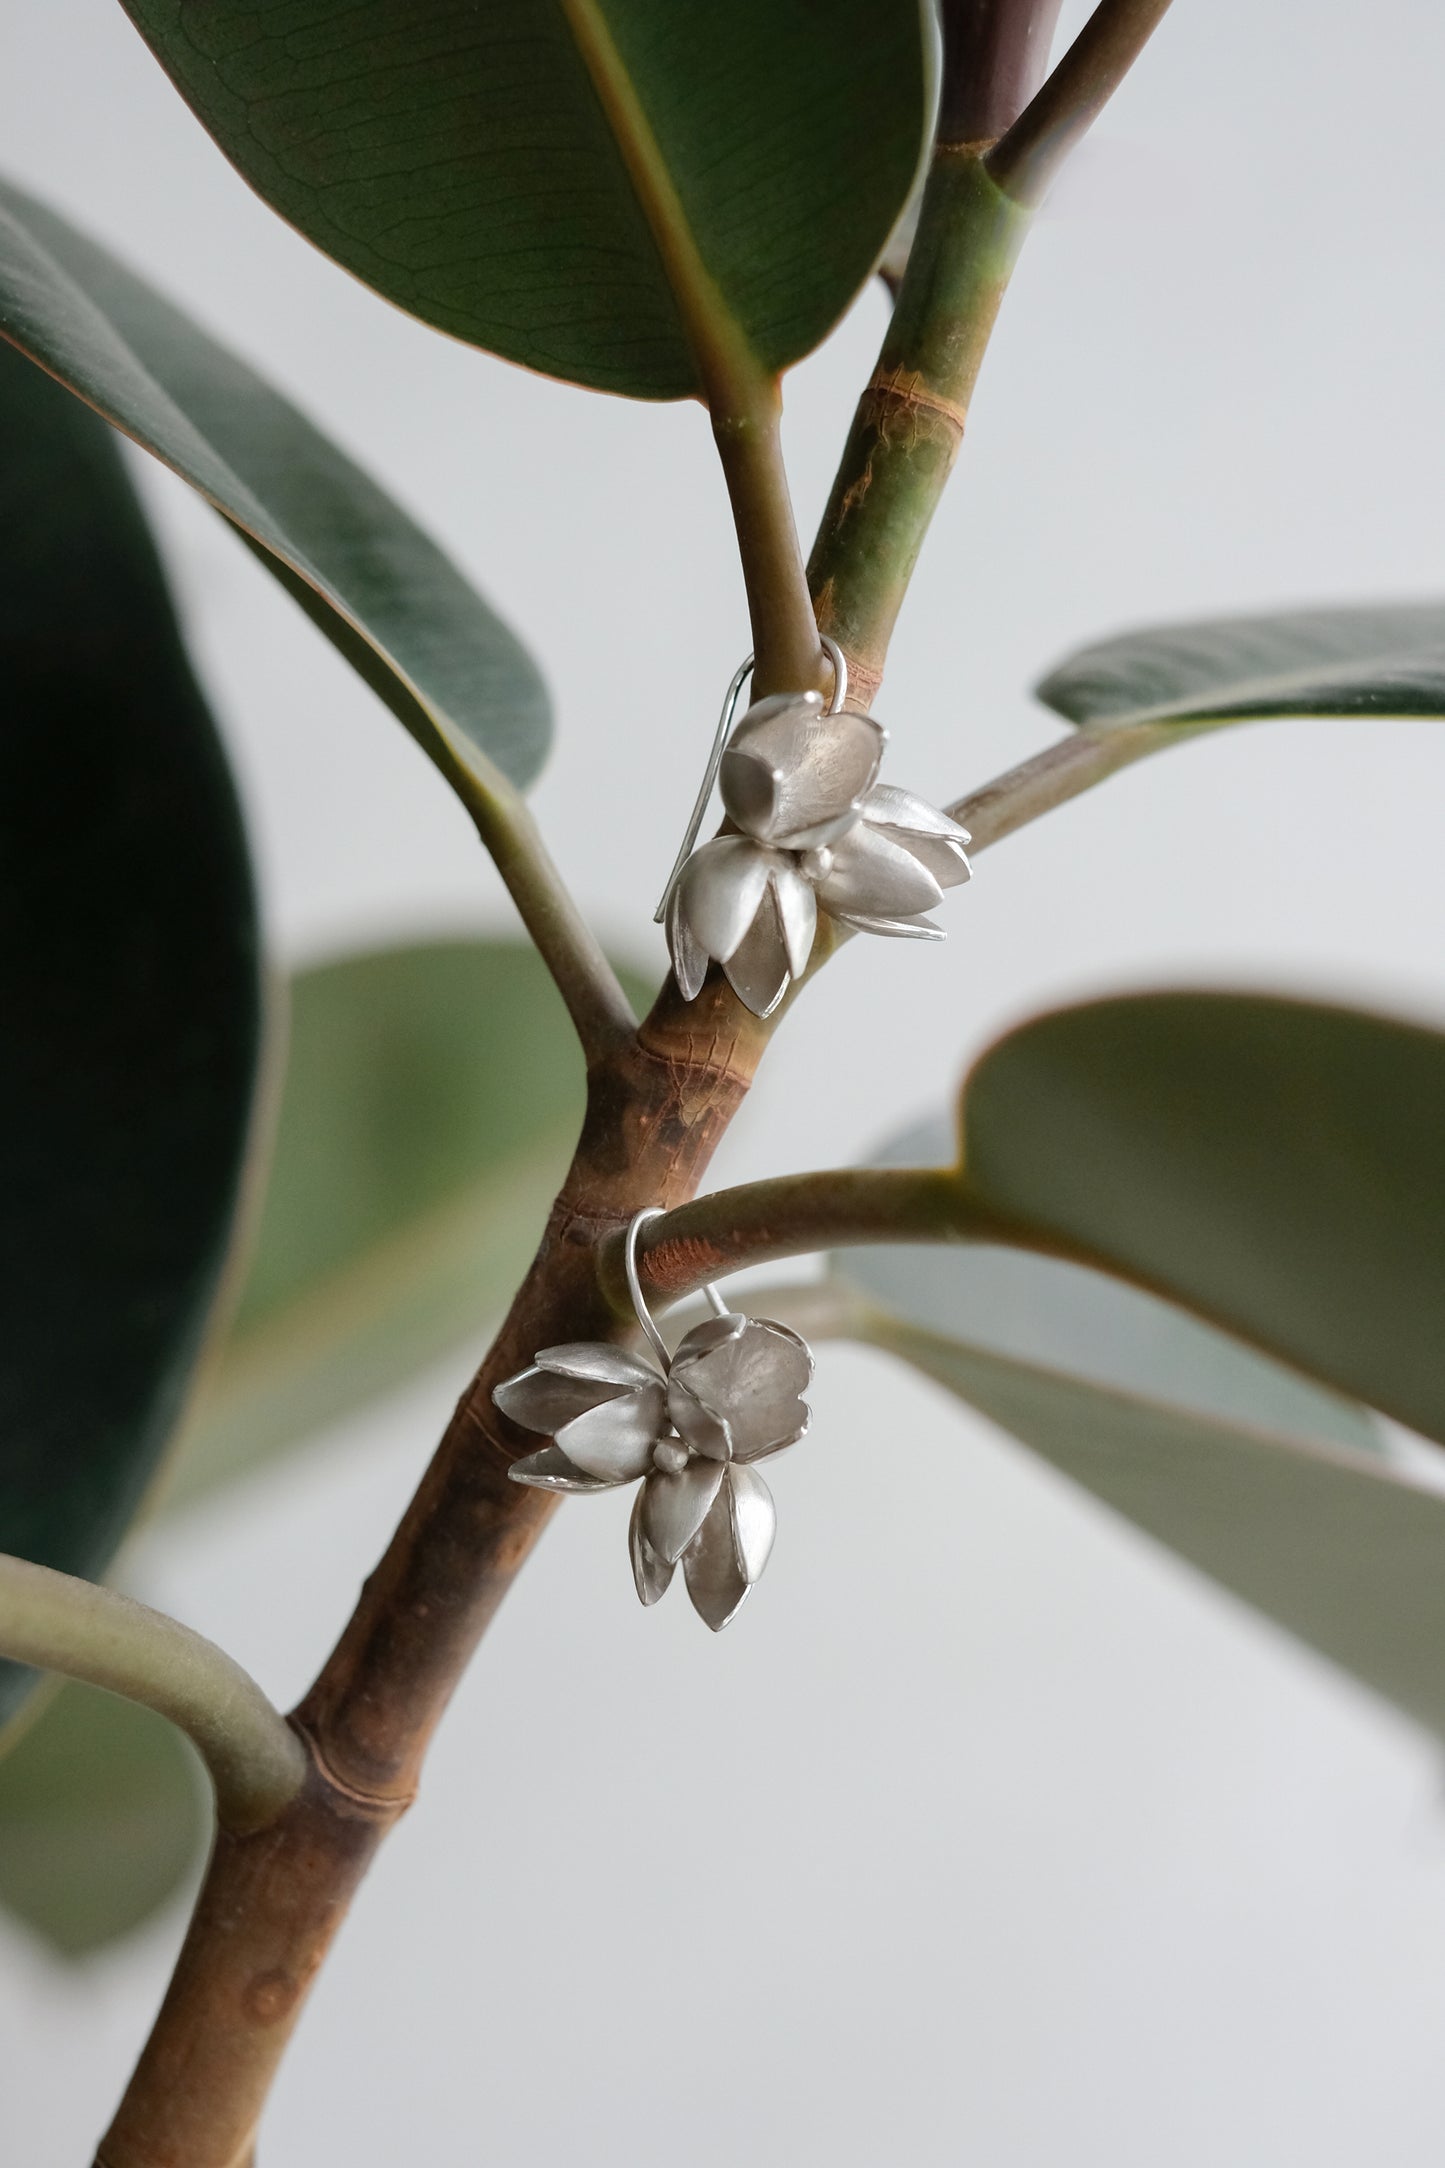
(1024, 161)
(1062, 771)
(741, 393)
(593, 993)
(57, 1623)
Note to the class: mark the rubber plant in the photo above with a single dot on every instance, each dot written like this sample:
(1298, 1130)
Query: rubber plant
(1185, 1246)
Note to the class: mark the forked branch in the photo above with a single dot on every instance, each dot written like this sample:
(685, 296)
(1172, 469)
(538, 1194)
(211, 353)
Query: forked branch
(1025, 160)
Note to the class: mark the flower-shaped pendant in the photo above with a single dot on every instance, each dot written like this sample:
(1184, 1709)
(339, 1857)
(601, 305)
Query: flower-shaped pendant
(731, 1395)
(816, 830)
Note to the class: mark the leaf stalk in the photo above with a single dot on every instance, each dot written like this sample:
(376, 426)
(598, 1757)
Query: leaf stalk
(58, 1623)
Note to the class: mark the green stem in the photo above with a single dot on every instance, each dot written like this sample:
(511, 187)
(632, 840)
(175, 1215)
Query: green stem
(787, 657)
(792, 1216)
(57, 1623)
(741, 394)
(1024, 161)
(1062, 771)
(910, 420)
(593, 993)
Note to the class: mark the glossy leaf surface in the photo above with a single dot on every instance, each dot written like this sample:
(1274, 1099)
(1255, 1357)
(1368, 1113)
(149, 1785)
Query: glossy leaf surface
(433, 1095)
(564, 181)
(104, 1816)
(380, 589)
(1380, 659)
(1276, 1166)
(129, 974)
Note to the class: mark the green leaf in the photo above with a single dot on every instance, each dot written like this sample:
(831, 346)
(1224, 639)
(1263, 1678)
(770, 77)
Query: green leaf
(1274, 1488)
(382, 593)
(128, 969)
(1344, 1553)
(574, 183)
(1062, 1317)
(1276, 1166)
(432, 1098)
(1382, 659)
(103, 1818)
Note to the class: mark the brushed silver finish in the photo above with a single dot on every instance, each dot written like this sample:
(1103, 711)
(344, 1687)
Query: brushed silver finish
(684, 1430)
(815, 831)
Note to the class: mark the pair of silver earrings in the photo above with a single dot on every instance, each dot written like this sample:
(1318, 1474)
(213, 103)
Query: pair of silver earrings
(816, 830)
(689, 1430)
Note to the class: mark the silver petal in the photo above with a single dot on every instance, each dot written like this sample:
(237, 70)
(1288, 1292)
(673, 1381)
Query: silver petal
(757, 970)
(797, 908)
(904, 929)
(614, 1440)
(752, 1385)
(706, 1432)
(888, 807)
(653, 1575)
(946, 860)
(719, 890)
(876, 877)
(552, 1470)
(754, 1521)
(597, 1359)
(715, 1578)
(792, 775)
(689, 957)
(675, 1506)
(540, 1400)
(712, 1332)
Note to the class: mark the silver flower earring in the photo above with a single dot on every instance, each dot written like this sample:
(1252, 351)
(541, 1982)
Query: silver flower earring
(732, 1394)
(816, 831)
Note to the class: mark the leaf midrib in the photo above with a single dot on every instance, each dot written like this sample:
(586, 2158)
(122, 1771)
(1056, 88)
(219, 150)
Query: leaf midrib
(734, 381)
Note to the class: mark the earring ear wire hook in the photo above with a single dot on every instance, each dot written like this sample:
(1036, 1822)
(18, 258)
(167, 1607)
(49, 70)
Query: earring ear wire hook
(719, 746)
(634, 1286)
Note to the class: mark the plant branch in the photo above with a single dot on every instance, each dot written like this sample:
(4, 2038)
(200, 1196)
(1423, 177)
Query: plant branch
(792, 1216)
(995, 53)
(742, 396)
(1025, 160)
(593, 993)
(1062, 771)
(57, 1623)
(910, 420)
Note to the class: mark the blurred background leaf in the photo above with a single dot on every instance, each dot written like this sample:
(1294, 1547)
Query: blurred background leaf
(104, 1816)
(128, 969)
(433, 1094)
(464, 162)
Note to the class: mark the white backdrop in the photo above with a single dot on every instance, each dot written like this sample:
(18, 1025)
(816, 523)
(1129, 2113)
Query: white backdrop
(987, 1834)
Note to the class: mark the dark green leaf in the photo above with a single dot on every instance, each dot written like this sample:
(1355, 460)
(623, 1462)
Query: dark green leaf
(130, 995)
(383, 594)
(1379, 659)
(501, 171)
(1277, 1166)
(433, 1095)
(1061, 1317)
(103, 1817)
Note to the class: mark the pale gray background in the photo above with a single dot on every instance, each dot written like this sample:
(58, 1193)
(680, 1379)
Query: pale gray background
(1020, 1846)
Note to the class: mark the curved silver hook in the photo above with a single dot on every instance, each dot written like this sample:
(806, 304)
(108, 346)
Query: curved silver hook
(719, 747)
(634, 1285)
